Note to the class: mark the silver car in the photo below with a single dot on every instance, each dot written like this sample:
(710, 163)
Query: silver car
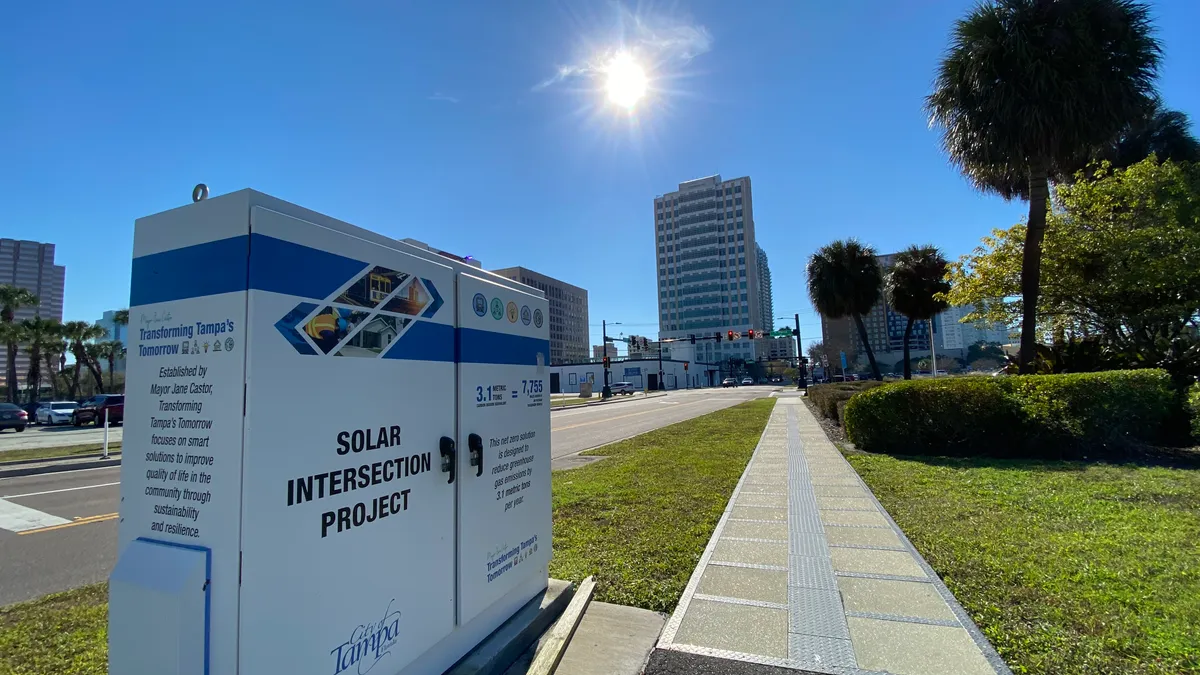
(56, 412)
(626, 388)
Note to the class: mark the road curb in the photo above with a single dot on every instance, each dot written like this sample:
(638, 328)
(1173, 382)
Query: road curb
(627, 399)
(56, 467)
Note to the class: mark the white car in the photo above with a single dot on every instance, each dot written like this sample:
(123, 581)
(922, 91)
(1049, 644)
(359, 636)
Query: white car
(56, 412)
(746, 380)
(626, 388)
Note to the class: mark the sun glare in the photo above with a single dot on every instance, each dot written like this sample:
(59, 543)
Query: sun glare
(626, 83)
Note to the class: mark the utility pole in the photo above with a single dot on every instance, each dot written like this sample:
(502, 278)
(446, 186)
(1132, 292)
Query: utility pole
(606, 392)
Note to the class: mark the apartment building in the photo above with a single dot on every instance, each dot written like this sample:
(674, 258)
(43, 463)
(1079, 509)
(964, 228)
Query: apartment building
(568, 313)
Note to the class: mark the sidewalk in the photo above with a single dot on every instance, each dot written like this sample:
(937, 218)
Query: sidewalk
(806, 571)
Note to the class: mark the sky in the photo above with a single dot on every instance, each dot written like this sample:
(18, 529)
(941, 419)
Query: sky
(483, 128)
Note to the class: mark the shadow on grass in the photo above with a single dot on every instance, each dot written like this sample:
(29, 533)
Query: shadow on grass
(1168, 458)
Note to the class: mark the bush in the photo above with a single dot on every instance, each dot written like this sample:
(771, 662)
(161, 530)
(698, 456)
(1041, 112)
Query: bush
(1194, 409)
(827, 396)
(1076, 415)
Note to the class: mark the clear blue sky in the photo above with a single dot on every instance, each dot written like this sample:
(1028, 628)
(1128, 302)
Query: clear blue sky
(480, 127)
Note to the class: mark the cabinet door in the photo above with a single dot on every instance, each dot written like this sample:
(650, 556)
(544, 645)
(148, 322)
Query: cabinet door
(348, 519)
(504, 424)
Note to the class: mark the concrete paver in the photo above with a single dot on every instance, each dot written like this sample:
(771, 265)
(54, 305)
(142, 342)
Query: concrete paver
(915, 649)
(806, 571)
(736, 628)
(745, 583)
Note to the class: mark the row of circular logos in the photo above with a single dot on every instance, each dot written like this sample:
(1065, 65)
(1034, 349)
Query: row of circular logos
(499, 310)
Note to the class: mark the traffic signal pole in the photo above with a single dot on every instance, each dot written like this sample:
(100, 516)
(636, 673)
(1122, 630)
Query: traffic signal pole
(606, 392)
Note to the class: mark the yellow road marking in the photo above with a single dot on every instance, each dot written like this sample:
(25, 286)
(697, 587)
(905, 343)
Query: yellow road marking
(78, 521)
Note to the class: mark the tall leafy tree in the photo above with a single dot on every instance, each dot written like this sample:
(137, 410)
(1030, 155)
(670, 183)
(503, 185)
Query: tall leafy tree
(844, 279)
(79, 335)
(1120, 266)
(12, 298)
(39, 334)
(1033, 88)
(916, 286)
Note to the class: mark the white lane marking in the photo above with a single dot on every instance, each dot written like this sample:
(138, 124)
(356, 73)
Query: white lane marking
(17, 518)
(50, 492)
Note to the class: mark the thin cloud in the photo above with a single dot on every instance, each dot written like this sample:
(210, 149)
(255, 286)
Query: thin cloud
(439, 96)
(662, 41)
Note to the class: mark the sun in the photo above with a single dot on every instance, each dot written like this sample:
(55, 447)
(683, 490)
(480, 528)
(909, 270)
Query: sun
(626, 84)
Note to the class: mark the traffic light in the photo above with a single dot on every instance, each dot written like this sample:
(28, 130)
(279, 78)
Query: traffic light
(685, 363)
(719, 336)
(731, 336)
(691, 337)
(606, 362)
(795, 333)
(750, 333)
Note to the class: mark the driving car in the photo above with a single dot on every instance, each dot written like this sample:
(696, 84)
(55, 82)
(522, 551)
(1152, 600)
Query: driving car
(747, 380)
(55, 412)
(729, 382)
(12, 417)
(93, 409)
(626, 388)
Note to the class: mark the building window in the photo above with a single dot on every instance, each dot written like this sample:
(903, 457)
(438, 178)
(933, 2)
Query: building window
(662, 261)
(741, 236)
(738, 201)
(742, 249)
(739, 213)
(737, 189)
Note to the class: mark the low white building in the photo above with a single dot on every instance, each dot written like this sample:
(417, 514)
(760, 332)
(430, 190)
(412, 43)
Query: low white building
(642, 373)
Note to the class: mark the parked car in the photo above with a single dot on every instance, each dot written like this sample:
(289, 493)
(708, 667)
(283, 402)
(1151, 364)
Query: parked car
(626, 388)
(729, 382)
(31, 410)
(12, 417)
(55, 412)
(747, 380)
(93, 409)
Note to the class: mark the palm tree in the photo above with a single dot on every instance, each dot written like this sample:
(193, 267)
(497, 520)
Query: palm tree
(95, 352)
(53, 352)
(912, 284)
(79, 334)
(1163, 133)
(1033, 88)
(844, 280)
(39, 333)
(120, 318)
(111, 351)
(12, 298)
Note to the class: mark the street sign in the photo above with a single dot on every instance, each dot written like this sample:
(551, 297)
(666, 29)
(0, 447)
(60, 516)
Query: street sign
(357, 480)
(843, 360)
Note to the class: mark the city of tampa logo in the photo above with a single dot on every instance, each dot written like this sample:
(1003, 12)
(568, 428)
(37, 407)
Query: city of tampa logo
(368, 644)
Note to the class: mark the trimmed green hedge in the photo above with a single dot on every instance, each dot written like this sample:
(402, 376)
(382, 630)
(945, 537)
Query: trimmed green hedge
(827, 396)
(1084, 414)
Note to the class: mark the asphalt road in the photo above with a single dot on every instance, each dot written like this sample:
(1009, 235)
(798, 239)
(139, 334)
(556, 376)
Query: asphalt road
(58, 531)
(49, 437)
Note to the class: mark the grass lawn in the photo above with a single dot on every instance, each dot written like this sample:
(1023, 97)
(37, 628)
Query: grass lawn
(64, 633)
(59, 451)
(640, 519)
(1067, 567)
(563, 402)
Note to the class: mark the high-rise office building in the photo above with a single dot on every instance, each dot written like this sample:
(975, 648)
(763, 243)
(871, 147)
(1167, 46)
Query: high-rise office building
(30, 265)
(708, 280)
(568, 314)
(766, 302)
